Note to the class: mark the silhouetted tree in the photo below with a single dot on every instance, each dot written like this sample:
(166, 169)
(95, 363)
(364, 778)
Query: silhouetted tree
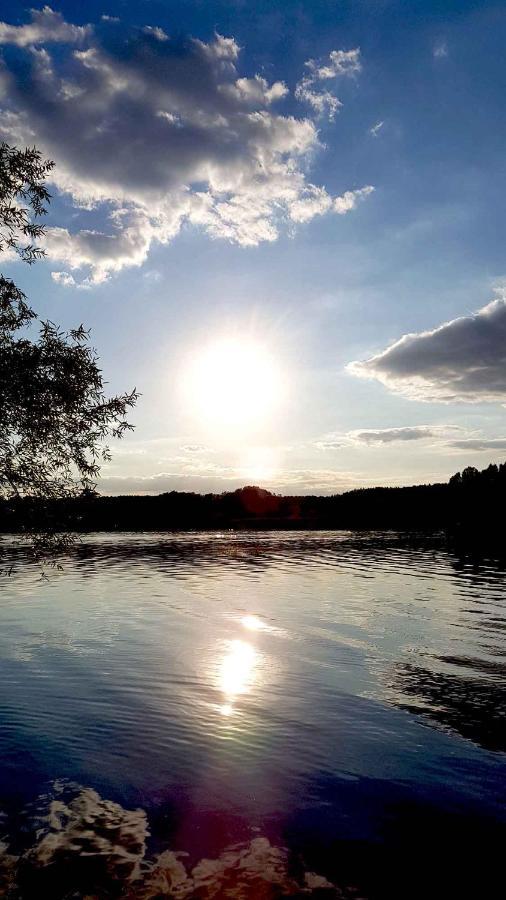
(54, 414)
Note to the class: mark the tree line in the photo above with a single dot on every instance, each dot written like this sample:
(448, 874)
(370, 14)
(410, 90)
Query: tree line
(471, 501)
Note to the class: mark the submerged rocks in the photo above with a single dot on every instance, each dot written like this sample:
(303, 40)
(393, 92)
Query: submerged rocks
(92, 846)
(253, 871)
(94, 849)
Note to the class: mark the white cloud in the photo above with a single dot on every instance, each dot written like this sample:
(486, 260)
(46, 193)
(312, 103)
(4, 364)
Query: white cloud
(154, 131)
(156, 32)
(349, 199)
(375, 130)
(323, 103)
(255, 90)
(340, 63)
(46, 27)
(462, 360)
(315, 202)
(63, 278)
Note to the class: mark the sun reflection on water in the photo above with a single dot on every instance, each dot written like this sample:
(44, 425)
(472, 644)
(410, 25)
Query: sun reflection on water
(253, 623)
(236, 673)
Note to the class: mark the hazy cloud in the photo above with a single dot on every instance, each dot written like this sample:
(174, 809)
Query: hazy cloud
(156, 131)
(394, 435)
(479, 444)
(462, 360)
(440, 50)
(378, 436)
(215, 478)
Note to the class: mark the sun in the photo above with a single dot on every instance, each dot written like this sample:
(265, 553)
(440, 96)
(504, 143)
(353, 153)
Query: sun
(233, 383)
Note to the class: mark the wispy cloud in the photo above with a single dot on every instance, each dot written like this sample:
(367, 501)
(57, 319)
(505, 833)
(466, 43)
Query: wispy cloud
(440, 50)
(309, 90)
(375, 130)
(385, 436)
(399, 435)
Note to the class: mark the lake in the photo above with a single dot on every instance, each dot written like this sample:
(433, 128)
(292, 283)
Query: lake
(336, 694)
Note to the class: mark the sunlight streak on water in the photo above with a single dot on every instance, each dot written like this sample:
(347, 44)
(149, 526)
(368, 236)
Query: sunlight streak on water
(253, 623)
(236, 672)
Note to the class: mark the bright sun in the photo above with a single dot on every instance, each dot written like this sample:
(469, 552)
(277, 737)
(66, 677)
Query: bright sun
(233, 383)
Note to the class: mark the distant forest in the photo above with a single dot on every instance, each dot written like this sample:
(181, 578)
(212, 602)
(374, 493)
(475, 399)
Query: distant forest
(471, 502)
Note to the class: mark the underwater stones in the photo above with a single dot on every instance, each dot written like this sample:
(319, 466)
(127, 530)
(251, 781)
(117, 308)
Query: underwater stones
(94, 849)
(91, 843)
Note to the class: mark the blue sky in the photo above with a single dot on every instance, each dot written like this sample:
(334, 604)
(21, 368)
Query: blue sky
(297, 185)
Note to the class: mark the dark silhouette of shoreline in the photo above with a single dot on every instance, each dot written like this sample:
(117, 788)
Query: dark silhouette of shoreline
(470, 505)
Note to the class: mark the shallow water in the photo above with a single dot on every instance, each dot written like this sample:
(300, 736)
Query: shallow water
(340, 694)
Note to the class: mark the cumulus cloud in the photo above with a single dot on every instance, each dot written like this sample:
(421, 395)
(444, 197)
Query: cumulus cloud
(155, 132)
(63, 278)
(255, 90)
(309, 90)
(462, 360)
(46, 27)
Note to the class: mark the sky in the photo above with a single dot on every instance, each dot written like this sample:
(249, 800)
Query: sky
(283, 223)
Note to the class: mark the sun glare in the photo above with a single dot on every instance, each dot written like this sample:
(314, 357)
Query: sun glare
(233, 383)
(236, 673)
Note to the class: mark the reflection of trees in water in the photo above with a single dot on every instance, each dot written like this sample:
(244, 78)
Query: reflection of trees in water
(466, 694)
(371, 551)
(474, 706)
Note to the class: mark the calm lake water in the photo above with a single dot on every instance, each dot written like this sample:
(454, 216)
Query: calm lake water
(341, 695)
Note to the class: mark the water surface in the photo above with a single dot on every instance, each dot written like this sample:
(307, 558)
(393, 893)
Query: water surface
(337, 693)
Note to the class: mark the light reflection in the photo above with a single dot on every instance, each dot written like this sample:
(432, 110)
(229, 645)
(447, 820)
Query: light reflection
(236, 673)
(252, 622)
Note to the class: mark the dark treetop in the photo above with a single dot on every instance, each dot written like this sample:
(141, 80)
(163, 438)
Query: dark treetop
(54, 414)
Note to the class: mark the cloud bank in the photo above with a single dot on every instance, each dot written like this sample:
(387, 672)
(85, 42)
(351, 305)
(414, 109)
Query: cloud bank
(155, 132)
(480, 444)
(463, 360)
